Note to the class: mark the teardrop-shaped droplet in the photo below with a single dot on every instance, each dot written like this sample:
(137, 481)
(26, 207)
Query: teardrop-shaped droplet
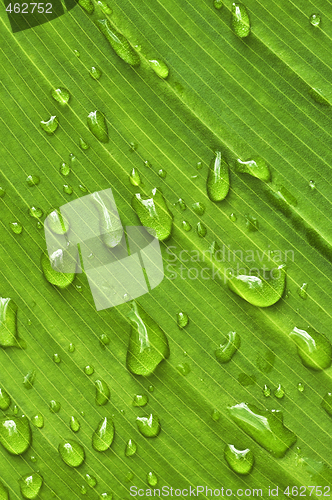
(8, 323)
(318, 96)
(102, 393)
(89, 370)
(182, 204)
(36, 212)
(64, 169)
(302, 291)
(87, 5)
(38, 421)
(30, 485)
(314, 348)
(131, 448)
(68, 189)
(103, 436)
(98, 126)
(258, 290)
(16, 227)
(29, 379)
(140, 400)
(217, 184)
(300, 387)
(252, 223)
(4, 495)
(54, 406)
(315, 20)
(266, 391)
(119, 43)
(50, 125)
(240, 20)
(56, 222)
(186, 226)
(61, 280)
(182, 319)
(162, 173)
(95, 73)
(226, 351)
(183, 369)
(215, 415)
(256, 167)
(240, 461)
(265, 427)
(104, 340)
(74, 424)
(104, 7)
(148, 344)
(134, 177)
(198, 208)
(217, 4)
(279, 392)
(56, 358)
(77, 53)
(15, 434)
(154, 214)
(82, 144)
(5, 400)
(149, 426)
(201, 229)
(111, 229)
(151, 479)
(159, 67)
(32, 180)
(71, 347)
(327, 403)
(72, 453)
(61, 95)
(91, 480)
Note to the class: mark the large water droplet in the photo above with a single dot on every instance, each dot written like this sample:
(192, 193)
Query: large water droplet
(98, 126)
(240, 461)
(217, 184)
(89, 370)
(159, 67)
(74, 424)
(302, 291)
(5, 400)
(201, 229)
(154, 214)
(148, 344)
(260, 291)
(149, 426)
(38, 421)
(111, 229)
(151, 479)
(182, 319)
(264, 426)
(50, 125)
(56, 223)
(95, 73)
(226, 351)
(131, 448)
(32, 180)
(8, 323)
(134, 177)
(59, 259)
(87, 5)
(256, 167)
(313, 348)
(186, 226)
(29, 379)
(315, 20)
(91, 480)
(4, 495)
(119, 43)
(15, 434)
(240, 20)
(198, 208)
(36, 212)
(54, 406)
(72, 453)
(102, 393)
(327, 403)
(103, 436)
(140, 400)
(30, 485)
(61, 95)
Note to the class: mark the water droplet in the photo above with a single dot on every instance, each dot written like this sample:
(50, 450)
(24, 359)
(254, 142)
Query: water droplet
(104, 340)
(300, 387)
(182, 319)
(233, 217)
(217, 4)
(150, 388)
(119, 43)
(312, 185)
(36, 212)
(83, 490)
(16, 227)
(50, 125)
(106, 495)
(315, 20)
(317, 96)
(131, 448)
(183, 369)
(82, 144)
(67, 189)
(33, 459)
(260, 291)
(32, 180)
(5, 400)
(83, 188)
(87, 5)
(198, 208)
(265, 427)
(148, 344)
(313, 348)
(15, 434)
(279, 392)
(74, 424)
(201, 230)
(95, 73)
(199, 165)
(59, 260)
(64, 169)
(226, 351)
(154, 214)
(8, 323)
(240, 20)
(151, 479)
(111, 229)
(30, 485)
(162, 173)
(181, 204)
(98, 126)
(186, 226)
(256, 167)
(4, 495)
(217, 184)
(129, 477)
(215, 415)
(240, 461)
(159, 67)
(72, 453)
(134, 177)
(54, 406)
(302, 291)
(252, 224)
(38, 421)
(2, 192)
(71, 347)
(29, 378)
(56, 223)
(77, 53)
(102, 393)
(148, 426)
(105, 7)
(89, 370)
(61, 95)
(140, 400)
(133, 146)
(91, 480)
(266, 391)
(103, 436)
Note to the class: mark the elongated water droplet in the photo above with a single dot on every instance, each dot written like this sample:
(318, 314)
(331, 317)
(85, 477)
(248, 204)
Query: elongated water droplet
(226, 351)
(240, 461)
(315, 20)
(119, 43)
(159, 67)
(77, 53)
(183, 369)
(36, 212)
(104, 340)
(148, 344)
(233, 217)
(5, 400)
(317, 96)
(67, 189)
(256, 167)
(16, 227)
(54, 406)
(149, 426)
(265, 427)
(266, 391)
(154, 214)
(215, 415)
(198, 208)
(98, 126)
(252, 224)
(15, 434)
(74, 424)
(82, 144)
(95, 73)
(32, 180)
(71, 347)
(162, 173)
(83, 490)
(201, 229)
(140, 400)
(4, 495)
(50, 125)
(302, 291)
(56, 223)
(217, 184)
(111, 229)
(131, 448)
(30, 485)
(133, 146)
(61, 95)
(182, 319)
(181, 204)
(87, 5)
(186, 226)
(59, 259)
(260, 291)
(279, 392)
(300, 387)
(313, 348)
(8, 323)
(104, 7)
(89, 370)
(134, 177)
(38, 421)
(72, 453)
(103, 436)
(29, 378)
(64, 169)
(56, 358)
(91, 480)
(327, 403)
(240, 20)
(102, 393)
(151, 479)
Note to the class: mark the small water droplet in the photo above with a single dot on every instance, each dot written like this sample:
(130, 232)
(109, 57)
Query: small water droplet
(91, 480)
(147, 163)
(15, 434)
(38, 421)
(64, 169)
(15, 410)
(54, 406)
(201, 230)
(300, 387)
(67, 189)
(72, 453)
(74, 424)
(61, 95)
(60, 259)
(183, 369)
(151, 479)
(71, 347)
(252, 224)
(2, 192)
(89, 370)
(217, 4)
(315, 20)
(266, 391)
(50, 125)
(32, 180)
(215, 415)
(103, 436)
(134, 177)
(5, 400)
(16, 227)
(217, 184)
(102, 393)
(104, 340)
(133, 146)
(82, 144)
(105, 7)
(279, 392)
(256, 167)
(162, 173)
(129, 477)
(240, 20)
(36, 212)
(56, 223)
(77, 53)
(233, 217)
(30, 485)
(33, 459)
(313, 348)
(199, 165)
(182, 319)
(240, 461)
(148, 426)
(56, 358)
(95, 73)
(98, 126)
(312, 185)
(302, 291)
(106, 495)
(186, 226)
(181, 204)
(140, 400)
(226, 351)
(198, 208)
(151, 388)
(159, 67)
(83, 490)
(29, 378)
